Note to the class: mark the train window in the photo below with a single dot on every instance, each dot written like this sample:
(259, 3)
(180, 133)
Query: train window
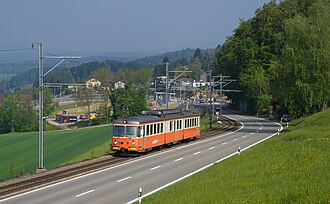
(119, 131)
(148, 130)
(171, 125)
(161, 127)
(177, 124)
(131, 131)
(151, 129)
(185, 123)
(155, 128)
(158, 128)
(195, 119)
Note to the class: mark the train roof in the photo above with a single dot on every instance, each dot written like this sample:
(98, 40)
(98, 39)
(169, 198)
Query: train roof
(156, 115)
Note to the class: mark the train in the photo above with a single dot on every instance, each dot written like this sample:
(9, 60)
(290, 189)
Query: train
(153, 129)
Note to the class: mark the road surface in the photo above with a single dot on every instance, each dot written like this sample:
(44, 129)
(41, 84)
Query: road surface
(120, 184)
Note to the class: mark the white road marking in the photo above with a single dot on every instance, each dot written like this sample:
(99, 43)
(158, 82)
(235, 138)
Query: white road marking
(244, 136)
(84, 193)
(178, 159)
(197, 153)
(155, 168)
(205, 167)
(125, 163)
(235, 139)
(123, 179)
(251, 133)
(260, 128)
(224, 143)
(211, 148)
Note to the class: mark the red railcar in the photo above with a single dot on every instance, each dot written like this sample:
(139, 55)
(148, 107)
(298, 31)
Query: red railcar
(153, 129)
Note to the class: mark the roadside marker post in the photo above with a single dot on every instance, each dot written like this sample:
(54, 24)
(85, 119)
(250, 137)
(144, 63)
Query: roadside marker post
(140, 194)
(239, 150)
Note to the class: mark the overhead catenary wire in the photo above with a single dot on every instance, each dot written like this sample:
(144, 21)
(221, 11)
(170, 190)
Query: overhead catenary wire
(15, 49)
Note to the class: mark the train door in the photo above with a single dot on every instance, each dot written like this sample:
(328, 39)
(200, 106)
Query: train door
(174, 130)
(143, 133)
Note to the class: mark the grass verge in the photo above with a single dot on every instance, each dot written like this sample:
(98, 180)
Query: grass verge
(19, 151)
(290, 168)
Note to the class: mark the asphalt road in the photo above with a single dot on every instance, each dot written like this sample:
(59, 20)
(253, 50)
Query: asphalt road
(120, 184)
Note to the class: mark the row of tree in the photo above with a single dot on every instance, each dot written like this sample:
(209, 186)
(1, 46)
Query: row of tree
(281, 57)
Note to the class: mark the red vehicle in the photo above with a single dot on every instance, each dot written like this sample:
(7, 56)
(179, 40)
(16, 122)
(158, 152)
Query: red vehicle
(154, 129)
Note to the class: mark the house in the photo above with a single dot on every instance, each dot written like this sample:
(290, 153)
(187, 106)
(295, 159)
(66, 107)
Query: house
(92, 83)
(200, 84)
(119, 84)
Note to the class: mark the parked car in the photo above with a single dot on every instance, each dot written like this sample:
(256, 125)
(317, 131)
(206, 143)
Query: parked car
(286, 118)
(83, 117)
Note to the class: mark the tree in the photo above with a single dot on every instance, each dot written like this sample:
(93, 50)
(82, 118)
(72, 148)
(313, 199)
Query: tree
(128, 102)
(85, 96)
(304, 70)
(196, 68)
(105, 77)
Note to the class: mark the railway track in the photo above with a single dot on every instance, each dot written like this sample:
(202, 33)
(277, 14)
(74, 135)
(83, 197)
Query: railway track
(29, 182)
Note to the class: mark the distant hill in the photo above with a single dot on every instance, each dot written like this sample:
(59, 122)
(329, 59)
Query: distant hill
(80, 70)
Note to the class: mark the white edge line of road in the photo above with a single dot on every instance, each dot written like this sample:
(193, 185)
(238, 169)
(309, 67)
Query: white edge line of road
(205, 167)
(96, 172)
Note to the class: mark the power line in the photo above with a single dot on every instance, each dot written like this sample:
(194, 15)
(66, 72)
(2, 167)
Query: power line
(15, 49)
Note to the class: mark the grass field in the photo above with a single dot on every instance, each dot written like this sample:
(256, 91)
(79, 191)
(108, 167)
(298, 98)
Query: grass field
(19, 151)
(290, 168)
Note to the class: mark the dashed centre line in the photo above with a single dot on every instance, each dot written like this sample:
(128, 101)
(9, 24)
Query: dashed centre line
(156, 167)
(178, 159)
(211, 148)
(123, 179)
(251, 133)
(197, 153)
(224, 143)
(235, 139)
(84, 193)
(244, 136)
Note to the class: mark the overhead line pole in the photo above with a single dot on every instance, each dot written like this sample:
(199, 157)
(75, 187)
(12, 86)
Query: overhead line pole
(166, 69)
(41, 96)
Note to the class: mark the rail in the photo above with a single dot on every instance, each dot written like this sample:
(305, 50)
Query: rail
(11, 187)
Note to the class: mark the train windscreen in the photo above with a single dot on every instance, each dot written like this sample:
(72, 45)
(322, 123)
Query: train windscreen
(125, 131)
(131, 131)
(119, 131)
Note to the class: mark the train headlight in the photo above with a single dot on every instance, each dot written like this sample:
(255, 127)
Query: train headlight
(115, 142)
(133, 143)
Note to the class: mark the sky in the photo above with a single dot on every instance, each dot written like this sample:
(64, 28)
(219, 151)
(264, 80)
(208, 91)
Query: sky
(121, 25)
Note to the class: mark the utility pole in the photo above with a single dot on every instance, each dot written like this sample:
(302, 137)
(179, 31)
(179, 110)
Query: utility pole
(210, 112)
(166, 67)
(156, 90)
(224, 81)
(41, 100)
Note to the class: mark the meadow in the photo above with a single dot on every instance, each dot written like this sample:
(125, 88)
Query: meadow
(292, 167)
(19, 151)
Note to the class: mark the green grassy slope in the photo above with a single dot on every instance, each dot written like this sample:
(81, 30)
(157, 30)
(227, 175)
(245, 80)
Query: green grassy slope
(290, 168)
(19, 151)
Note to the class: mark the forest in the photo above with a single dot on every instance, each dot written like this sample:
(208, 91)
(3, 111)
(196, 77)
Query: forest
(281, 58)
